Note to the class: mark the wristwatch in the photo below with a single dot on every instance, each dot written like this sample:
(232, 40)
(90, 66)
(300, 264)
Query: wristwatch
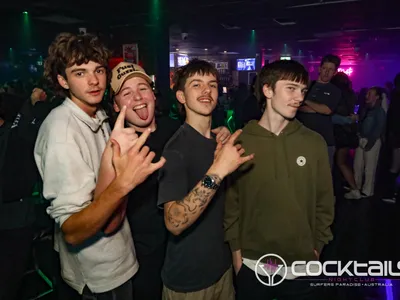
(209, 182)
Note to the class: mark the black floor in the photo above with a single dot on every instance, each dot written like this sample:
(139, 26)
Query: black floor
(366, 230)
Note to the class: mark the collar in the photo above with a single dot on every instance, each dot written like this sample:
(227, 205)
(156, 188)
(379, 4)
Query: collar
(93, 123)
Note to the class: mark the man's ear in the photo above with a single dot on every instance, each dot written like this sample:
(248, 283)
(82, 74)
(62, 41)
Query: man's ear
(267, 91)
(181, 97)
(63, 82)
(116, 107)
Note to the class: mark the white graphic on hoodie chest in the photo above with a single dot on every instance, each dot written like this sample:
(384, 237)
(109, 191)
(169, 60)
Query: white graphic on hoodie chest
(301, 161)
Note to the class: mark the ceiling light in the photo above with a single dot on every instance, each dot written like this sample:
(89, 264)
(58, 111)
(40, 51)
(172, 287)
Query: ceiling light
(322, 3)
(285, 22)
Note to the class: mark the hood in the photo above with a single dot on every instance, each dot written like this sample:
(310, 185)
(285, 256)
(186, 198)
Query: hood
(278, 142)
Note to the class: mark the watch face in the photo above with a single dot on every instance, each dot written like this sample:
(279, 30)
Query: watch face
(208, 182)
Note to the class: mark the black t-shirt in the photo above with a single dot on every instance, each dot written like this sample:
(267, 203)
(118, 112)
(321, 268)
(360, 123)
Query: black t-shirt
(323, 93)
(198, 257)
(145, 218)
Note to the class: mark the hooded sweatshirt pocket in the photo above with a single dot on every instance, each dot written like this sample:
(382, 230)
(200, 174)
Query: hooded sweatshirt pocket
(286, 233)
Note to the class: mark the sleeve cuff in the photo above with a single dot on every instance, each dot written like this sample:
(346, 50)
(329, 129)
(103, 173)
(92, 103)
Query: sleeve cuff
(234, 245)
(319, 245)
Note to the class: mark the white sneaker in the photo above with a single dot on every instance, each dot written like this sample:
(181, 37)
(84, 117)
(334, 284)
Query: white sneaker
(353, 194)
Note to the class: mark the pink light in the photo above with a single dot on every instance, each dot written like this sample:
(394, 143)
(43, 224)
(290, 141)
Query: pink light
(347, 71)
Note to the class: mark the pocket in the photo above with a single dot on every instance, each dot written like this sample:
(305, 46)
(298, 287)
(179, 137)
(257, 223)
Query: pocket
(240, 271)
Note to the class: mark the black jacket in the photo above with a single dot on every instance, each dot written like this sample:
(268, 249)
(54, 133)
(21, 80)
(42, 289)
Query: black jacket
(18, 167)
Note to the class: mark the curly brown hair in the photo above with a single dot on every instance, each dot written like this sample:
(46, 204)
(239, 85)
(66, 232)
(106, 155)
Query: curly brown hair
(69, 49)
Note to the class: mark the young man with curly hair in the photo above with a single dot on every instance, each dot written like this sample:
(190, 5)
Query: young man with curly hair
(87, 172)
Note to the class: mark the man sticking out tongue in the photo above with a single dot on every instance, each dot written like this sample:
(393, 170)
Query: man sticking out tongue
(132, 88)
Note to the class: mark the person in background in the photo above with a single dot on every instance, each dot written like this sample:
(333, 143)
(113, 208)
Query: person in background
(320, 103)
(345, 127)
(371, 128)
(252, 106)
(385, 101)
(361, 99)
(17, 205)
(238, 104)
(389, 88)
(393, 133)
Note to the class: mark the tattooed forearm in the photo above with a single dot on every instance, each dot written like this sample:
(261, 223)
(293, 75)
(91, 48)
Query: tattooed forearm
(181, 214)
(175, 217)
(198, 197)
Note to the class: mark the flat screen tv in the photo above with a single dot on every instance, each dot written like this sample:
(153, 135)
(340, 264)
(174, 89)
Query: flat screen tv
(246, 64)
(183, 60)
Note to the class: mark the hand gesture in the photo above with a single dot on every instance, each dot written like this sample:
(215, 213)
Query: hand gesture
(125, 137)
(354, 118)
(222, 133)
(38, 95)
(133, 167)
(228, 157)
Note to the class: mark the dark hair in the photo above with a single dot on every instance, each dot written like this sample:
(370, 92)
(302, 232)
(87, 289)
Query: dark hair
(378, 91)
(342, 81)
(195, 66)
(348, 98)
(330, 58)
(282, 70)
(69, 49)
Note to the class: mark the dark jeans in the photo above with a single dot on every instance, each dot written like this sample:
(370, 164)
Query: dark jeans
(15, 251)
(147, 283)
(248, 287)
(123, 292)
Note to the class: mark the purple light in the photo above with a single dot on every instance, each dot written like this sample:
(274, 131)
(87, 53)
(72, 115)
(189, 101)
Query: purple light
(389, 289)
(347, 71)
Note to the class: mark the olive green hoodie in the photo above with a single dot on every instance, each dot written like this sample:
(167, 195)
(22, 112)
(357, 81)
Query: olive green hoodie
(282, 201)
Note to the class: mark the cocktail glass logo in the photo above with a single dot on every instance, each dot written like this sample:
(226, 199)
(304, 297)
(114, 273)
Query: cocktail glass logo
(271, 265)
